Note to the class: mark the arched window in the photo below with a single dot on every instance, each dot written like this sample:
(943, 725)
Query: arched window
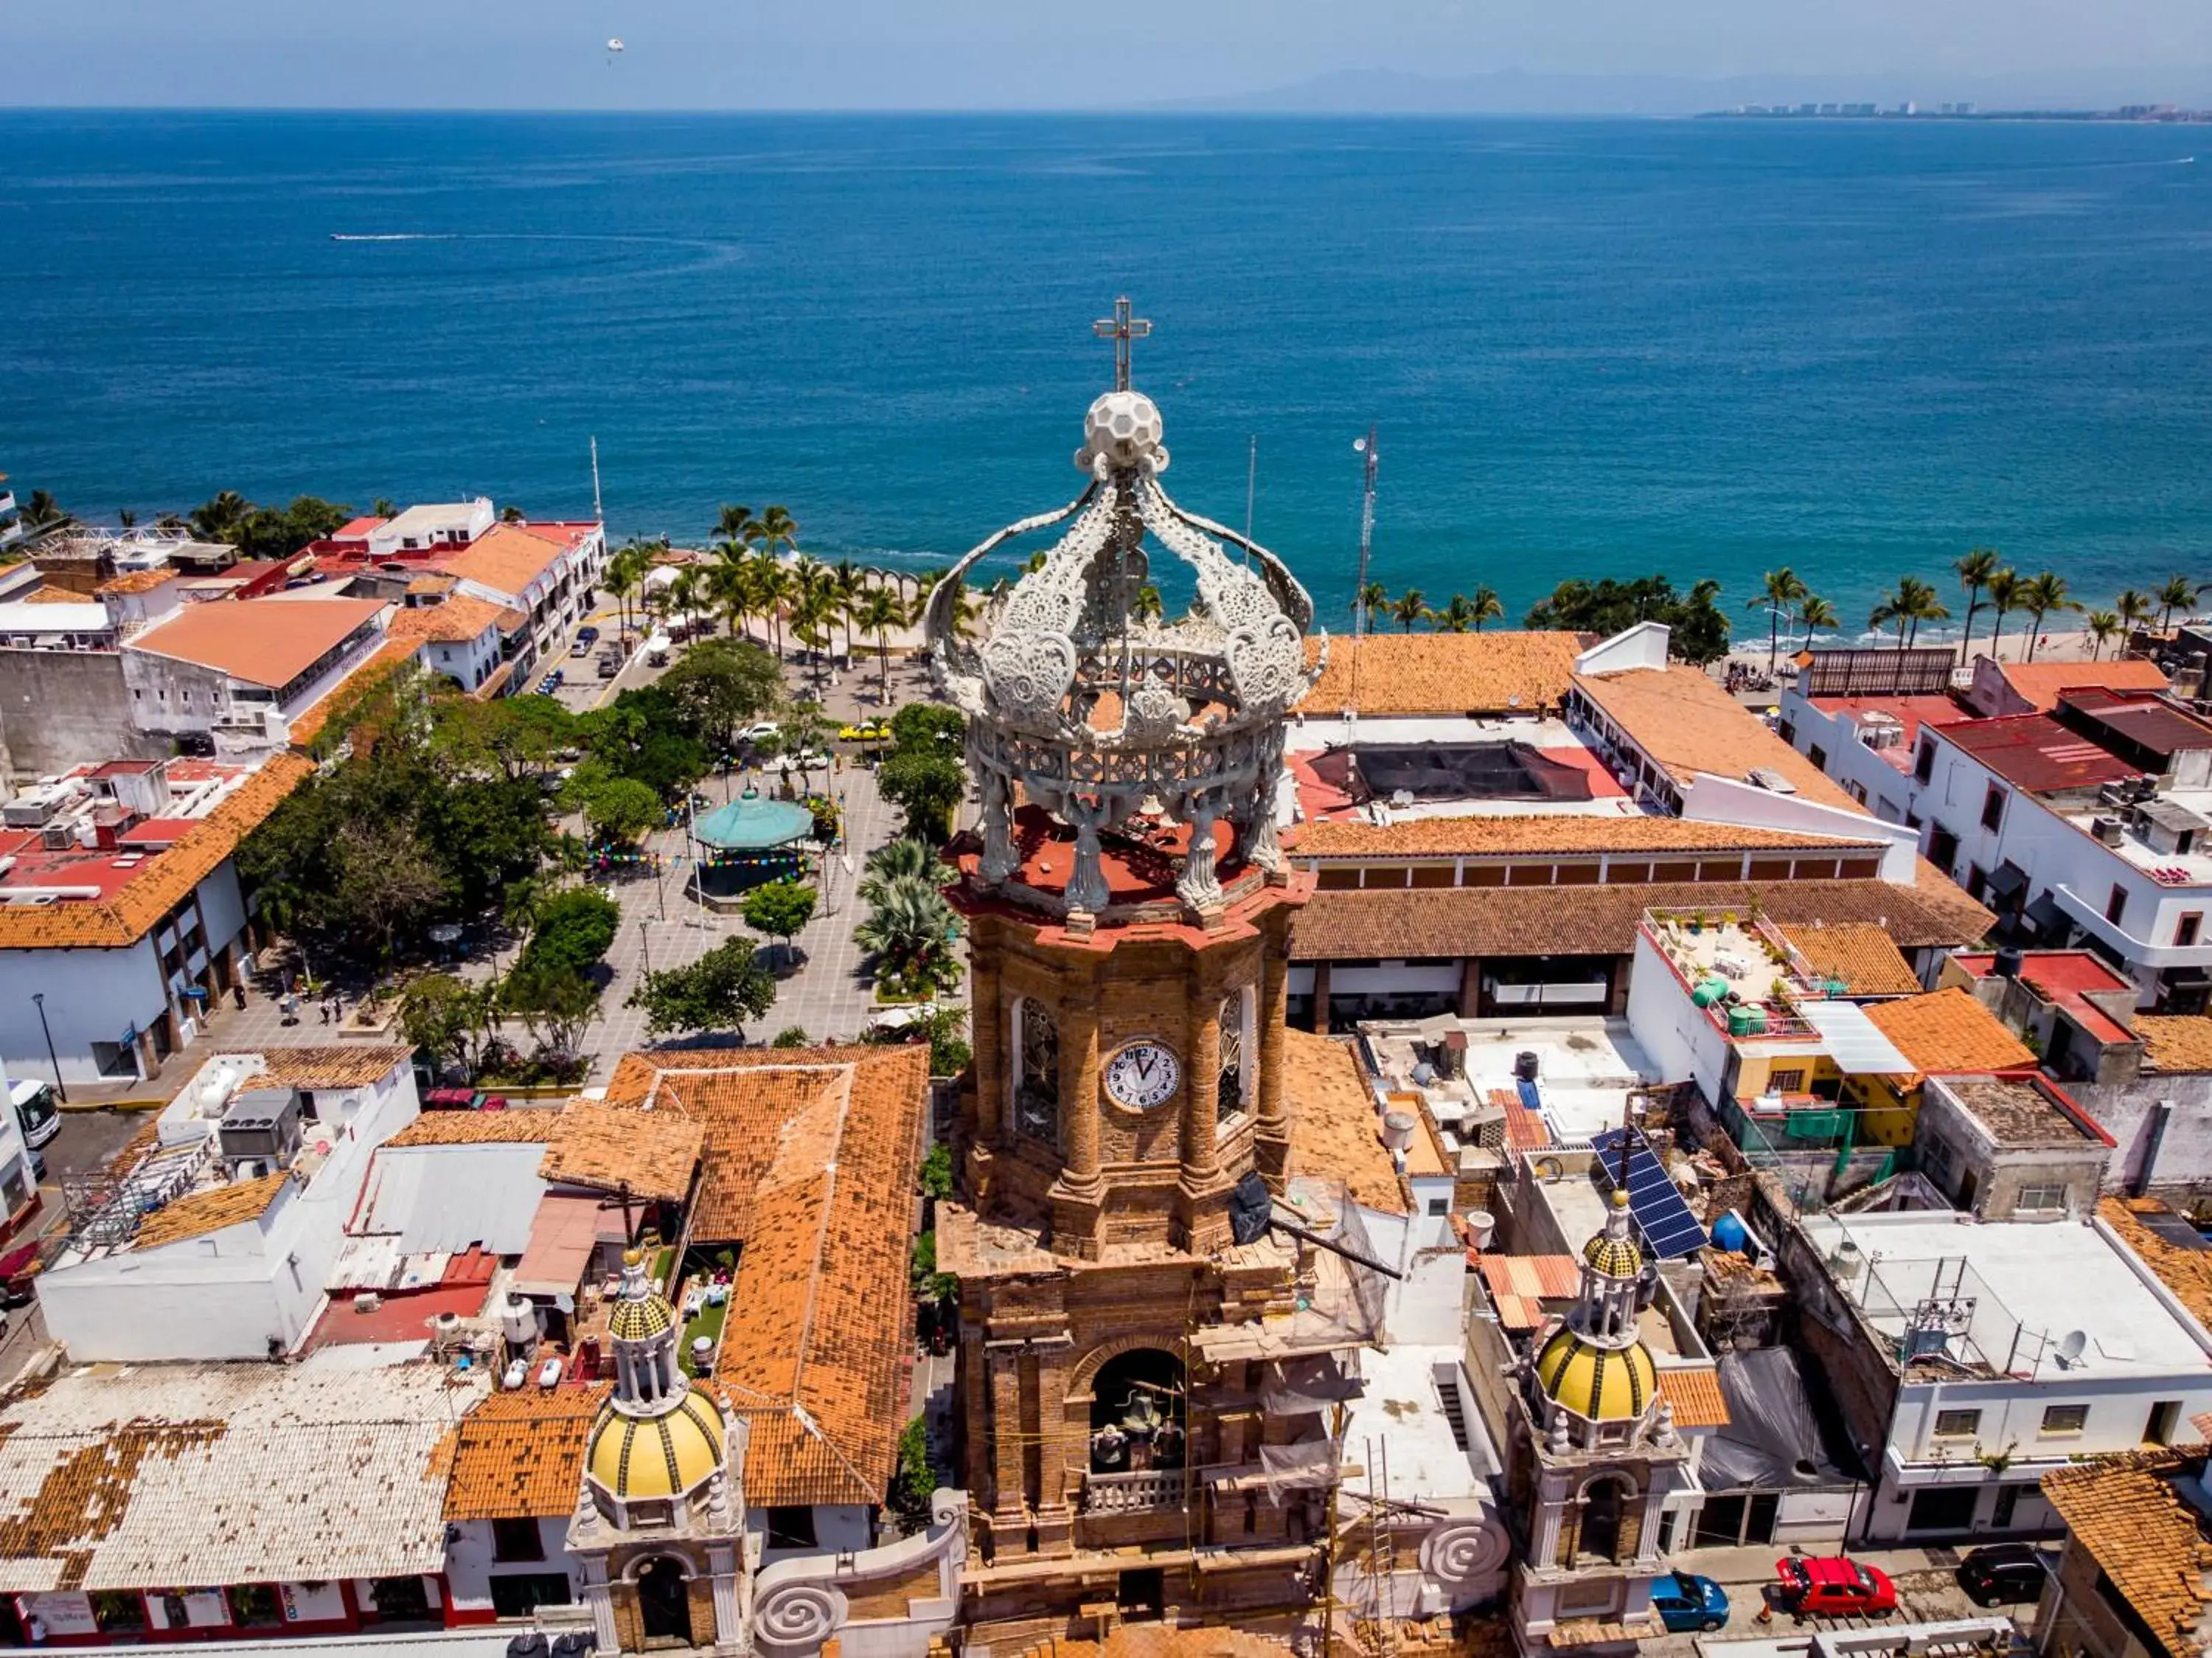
(1603, 1503)
(1235, 1071)
(1036, 1071)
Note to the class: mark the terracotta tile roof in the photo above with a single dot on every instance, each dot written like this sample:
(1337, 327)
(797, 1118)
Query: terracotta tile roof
(332, 1065)
(2175, 1041)
(506, 558)
(1949, 1033)
(1525, 1127)
(422, 584)
(1520, 1284)
(815, 1350)
(520, 1455)
(54, 595)
(199, 1213)
(2153, 1546)
(138, 580)
(1687, 723)
(1695, 1393)
(2041, 682)
(457, 621)
(1444, 922)
(1336, 1131)
(1543, 832)
(163, 879)
(265, 642)
(1444, 673)
(1857, 953)
(479, 1128)
(606, 1148)
(2187, 1273)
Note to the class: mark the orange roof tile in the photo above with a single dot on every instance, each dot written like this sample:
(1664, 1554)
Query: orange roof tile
(2187, 1273)
(506, 558)
(265, 642)
(1694, 1391)
(331, 1065)
(1856, 953)
(1947, 1033)
(1519, 1285)
(197, 1213)
(652, 1154)
(1336, 1131)
(164, 879)
(814, 1352)
(1475, 835)
(138, 580)
(2151, 1545)
(479, 1128)
(1443, 673)
(2041, 682)
(457, 621)
(1685, 721)
(520, 1455)
(2175, 1041)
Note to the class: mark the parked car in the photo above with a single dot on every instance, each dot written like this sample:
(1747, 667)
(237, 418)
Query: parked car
(1831, 1586)
(451, 1100)
(588, 635)
(581, 646)
(766, 731)
(610, 665)
(18, 1268)
(2003, 1572)
(36, 1113)
(1687, 1603)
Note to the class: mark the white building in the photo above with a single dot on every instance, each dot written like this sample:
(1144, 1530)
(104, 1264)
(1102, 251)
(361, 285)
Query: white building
(461, 638)
(428, 527)
(239, 672)
(1970, 1358)
(546, 571)
(11, 520)
(216, 1241)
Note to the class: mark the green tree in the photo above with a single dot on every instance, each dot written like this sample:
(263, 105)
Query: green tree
(2005, 588)
(719, 991)
(899, 860)
(2178, 593)
(722, 685)
(1457, 615)
(619, 811)
(384, 877)
(1698, 629)
(929, 726)
(876, 612)
(2104, 627)
(1488, 606)
(41, 512)
(574, 930)
(914, 1482)
(935, 1180)
(1407, 609)
(925, 788)
(912, 934)
(1147, 606)
(781, 909)
(1372, 599)
(1912, 603)
(278, 532)
(627, 568)
(555, 1004)
(1778, 597)
(448, 1019)
(2045, 593)
(792, 1036)
(2134, 609)
(1973, 569)
(1812, 613)
(221, 516)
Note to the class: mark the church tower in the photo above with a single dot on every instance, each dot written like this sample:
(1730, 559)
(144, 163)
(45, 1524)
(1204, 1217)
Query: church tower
(660, 1520)
(1128, 911)
(1597, 1457)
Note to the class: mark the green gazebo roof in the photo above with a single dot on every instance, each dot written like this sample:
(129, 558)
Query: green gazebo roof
(752, 822)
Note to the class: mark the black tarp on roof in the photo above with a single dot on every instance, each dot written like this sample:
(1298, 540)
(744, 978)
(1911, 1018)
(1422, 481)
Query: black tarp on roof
(1489, 770)
(1778, 1434)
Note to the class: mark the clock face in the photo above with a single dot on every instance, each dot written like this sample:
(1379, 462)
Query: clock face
(1143, 1074)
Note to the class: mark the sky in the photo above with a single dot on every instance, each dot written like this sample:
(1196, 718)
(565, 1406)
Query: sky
(910, 54)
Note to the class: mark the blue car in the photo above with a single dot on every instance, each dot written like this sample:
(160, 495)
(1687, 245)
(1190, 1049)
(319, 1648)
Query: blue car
(1687, 1603)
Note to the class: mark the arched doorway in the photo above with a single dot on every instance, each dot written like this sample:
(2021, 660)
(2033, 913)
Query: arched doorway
(1603, 1503)
(662, 1609)
(1137, 1412)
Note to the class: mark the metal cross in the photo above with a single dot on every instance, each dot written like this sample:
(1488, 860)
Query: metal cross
(1121, 328)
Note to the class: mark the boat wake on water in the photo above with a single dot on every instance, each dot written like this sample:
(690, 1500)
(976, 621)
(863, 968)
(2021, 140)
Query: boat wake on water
(397, 235)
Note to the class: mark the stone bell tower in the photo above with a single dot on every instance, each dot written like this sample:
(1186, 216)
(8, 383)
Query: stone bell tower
(1129, 906)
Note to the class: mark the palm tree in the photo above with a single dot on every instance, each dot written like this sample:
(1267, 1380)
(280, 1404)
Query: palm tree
(876, 613)
(684, 593)
(1370, 600)
(2005, 588)
(386, 507)
(776, 530)
(906, 859)
(773, 588)
(2104, 628)
(1457, 615)
(909, 929)
(1814, 610)
(1409, 609)
(848, 581)
(1913, 603)
(624, 574)
(1488, 606)
(127, 518)
(1778, 598)
(2134, 609)
(2179, 593)
(963, 604)
(1973, 570)
(812, 619)
(2044, 593)
(733, 523)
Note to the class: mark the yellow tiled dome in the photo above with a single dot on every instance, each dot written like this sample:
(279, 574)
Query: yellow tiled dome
(1603, 1384)
(640, 1321)
(667, 1455)
(1617, 1257)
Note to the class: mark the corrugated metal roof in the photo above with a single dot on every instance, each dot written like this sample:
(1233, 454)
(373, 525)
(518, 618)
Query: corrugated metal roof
(446, 1198)
(1854, 1042)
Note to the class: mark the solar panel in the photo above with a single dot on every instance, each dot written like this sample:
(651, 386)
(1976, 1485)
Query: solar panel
(1653, 1204)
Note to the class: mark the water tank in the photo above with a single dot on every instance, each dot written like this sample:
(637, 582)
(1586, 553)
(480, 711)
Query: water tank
(518, 1322)
(515, 1374)
(1847, 1262)
(2009, 962)
(446, 1325)
(1524, 1064)
(1709, 991)
(1730, 1234)
(1397, 1129)
(1481, 1226)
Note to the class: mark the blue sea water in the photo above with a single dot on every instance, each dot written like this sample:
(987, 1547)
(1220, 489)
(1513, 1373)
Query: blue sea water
(1588, 347)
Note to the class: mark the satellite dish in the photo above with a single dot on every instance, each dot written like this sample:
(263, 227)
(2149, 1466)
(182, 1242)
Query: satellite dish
(2072, 1346)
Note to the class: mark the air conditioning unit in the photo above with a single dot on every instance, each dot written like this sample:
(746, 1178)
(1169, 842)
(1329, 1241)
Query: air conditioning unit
(262, 1124)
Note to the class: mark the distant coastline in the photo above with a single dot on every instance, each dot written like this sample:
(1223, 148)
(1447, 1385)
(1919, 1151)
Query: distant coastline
(2133, 114)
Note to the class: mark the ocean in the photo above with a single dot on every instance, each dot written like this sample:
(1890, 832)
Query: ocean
(1708, 348)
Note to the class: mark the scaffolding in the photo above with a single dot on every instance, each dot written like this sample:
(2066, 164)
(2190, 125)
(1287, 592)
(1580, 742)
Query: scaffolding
(102, 1209)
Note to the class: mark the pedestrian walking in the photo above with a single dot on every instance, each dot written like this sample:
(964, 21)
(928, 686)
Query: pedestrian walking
(323, 1012)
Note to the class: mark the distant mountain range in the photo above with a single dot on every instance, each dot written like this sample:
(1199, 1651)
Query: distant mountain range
(1514, 92)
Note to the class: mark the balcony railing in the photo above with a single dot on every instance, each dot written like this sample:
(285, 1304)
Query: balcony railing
(1133, 1493)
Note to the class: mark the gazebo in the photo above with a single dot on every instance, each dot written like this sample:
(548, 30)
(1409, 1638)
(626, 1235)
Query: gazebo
(752, 840)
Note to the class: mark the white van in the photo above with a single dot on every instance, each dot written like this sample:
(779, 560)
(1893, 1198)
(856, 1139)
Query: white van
(36, 1113)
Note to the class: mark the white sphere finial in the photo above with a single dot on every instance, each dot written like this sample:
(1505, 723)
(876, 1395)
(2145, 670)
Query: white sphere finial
(1124, 429)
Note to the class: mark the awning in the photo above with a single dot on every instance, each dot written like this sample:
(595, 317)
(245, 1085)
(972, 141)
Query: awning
(1853, 1040)
(563, 1239)
(2048, 918)
(2006, 881)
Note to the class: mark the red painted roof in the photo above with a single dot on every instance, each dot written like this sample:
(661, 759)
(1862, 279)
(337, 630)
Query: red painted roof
(1911, 712)
(2034, 752)
(2060, 977)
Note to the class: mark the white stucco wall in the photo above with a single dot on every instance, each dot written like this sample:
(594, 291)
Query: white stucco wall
(91, 995)
(470, 1566)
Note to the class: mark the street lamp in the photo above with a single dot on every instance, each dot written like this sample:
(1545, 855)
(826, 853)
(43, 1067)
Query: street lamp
(60, 1087)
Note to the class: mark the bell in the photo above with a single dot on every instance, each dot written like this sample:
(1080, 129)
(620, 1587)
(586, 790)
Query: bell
(1142, 1416)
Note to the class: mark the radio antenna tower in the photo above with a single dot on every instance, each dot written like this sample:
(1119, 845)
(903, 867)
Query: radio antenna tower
(1363, 445)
